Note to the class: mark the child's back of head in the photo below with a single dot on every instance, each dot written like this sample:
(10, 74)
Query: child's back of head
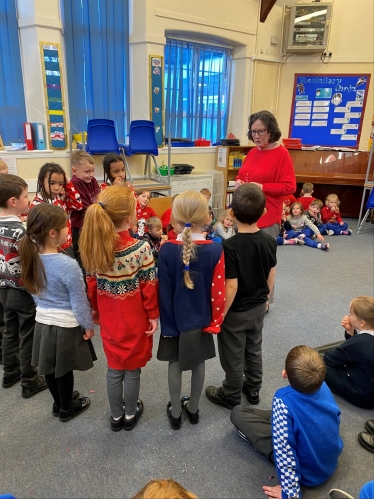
(307, 188)
(11, 186)
(248, 204)
(3, 167)
(363, 308)
(164, 489)
(189, 209)
(305, 369)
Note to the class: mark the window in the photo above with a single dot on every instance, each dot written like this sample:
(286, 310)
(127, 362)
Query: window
(196, 90)
(97, 54)
(12, 98)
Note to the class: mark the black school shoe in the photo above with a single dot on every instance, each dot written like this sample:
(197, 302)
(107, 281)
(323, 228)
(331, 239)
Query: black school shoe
(116, 425)
(129, 424)
(193, 417)
(369, 426)
(214, 395)
(38, 386)
(78, 406)
(9, 381)
(175, 423)
(253, 398)
(56, 408)
(366, 440)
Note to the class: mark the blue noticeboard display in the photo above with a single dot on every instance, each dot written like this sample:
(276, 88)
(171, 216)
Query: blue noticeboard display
(156, 71)
(327, 110)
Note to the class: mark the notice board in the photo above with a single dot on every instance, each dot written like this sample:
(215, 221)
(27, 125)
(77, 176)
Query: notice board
(328, 110)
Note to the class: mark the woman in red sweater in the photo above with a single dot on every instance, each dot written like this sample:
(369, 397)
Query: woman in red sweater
(269, 166)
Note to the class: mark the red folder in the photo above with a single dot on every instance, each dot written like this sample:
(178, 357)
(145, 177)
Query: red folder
(28, 136)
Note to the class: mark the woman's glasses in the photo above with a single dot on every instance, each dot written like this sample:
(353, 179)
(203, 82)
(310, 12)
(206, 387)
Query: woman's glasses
(260, 133)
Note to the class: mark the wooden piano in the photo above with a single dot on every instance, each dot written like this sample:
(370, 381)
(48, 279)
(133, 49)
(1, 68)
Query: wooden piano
(332, 171)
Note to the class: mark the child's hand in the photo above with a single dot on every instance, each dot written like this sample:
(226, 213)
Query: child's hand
(238, 183)
(285, 235)
(320, 237)
(164, 238)
(88, 334)
(346, 323)
(153, 323)
(118, 180)
(95, 316)
(275, 492)
(341, 223)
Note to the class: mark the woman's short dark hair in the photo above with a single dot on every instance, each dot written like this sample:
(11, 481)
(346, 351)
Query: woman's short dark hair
(270, 123)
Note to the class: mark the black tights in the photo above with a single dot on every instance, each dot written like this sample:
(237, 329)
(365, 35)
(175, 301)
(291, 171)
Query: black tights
(61, 389)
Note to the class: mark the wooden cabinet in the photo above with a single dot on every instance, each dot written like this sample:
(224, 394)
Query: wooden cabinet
(229, 160)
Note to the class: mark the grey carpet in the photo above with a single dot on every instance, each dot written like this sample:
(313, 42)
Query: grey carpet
(43, 458)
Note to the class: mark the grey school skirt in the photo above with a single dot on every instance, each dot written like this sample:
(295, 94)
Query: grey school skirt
(190, 348)
(60, 350)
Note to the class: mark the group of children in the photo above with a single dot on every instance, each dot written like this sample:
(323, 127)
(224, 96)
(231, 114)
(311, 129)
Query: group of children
(306, 220)
(201, 288)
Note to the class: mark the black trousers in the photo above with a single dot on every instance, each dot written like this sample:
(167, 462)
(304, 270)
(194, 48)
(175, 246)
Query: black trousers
(18, 334)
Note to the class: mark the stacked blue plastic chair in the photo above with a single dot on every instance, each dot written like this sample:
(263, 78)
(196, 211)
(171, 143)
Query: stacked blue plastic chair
(102, 139)
(142, 140)
(369, 207)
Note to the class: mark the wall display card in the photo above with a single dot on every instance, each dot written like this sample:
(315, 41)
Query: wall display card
(328, 109)
(221, 157)
(156, 98)
(11, 163)
(54, 94)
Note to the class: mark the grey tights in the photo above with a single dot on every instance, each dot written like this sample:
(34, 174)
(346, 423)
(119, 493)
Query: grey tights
(175, 387)
(123, 386)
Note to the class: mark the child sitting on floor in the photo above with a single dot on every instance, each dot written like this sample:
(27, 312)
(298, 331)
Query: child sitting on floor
(299, 223)
(331, 217)
(224, 228)
(143, 212)
(306, 195)
(350, 363)
(314, 215)
(300, 435)
(286, 234)
(154, 236)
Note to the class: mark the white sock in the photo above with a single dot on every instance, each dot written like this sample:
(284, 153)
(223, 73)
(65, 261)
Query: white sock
(319, 246)
(117, 419)
(129, 417)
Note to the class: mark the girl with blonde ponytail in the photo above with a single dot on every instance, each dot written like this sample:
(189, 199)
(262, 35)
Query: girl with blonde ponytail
(191, 295)
(122, 289)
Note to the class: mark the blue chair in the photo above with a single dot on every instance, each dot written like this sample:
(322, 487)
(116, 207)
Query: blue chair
(142, 140)
(369, 204)
(102, 139)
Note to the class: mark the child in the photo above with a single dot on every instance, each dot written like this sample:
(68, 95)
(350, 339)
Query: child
(166, 216)
(191, 296)
(62, 309)
(286, 233)
(288, 201)
(314, 215)
(350, 364)
(143, 212)
(208, 229)
(300, 435)
(159, 489)
(250, 259)
(122, 289)
(224, 228)
(300, 223)
(154, 236)
(331, 217)
(18, 305)
(83, 168)
(114, 171)
(54, 188)
(3, 167)
(306, 195)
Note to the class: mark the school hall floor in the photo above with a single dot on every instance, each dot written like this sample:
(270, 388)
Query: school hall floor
(83, 458)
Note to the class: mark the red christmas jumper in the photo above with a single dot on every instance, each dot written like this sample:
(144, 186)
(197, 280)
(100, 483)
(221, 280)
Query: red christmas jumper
(127, 298)
(329, 216)
(273, 169)
(68, 201)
